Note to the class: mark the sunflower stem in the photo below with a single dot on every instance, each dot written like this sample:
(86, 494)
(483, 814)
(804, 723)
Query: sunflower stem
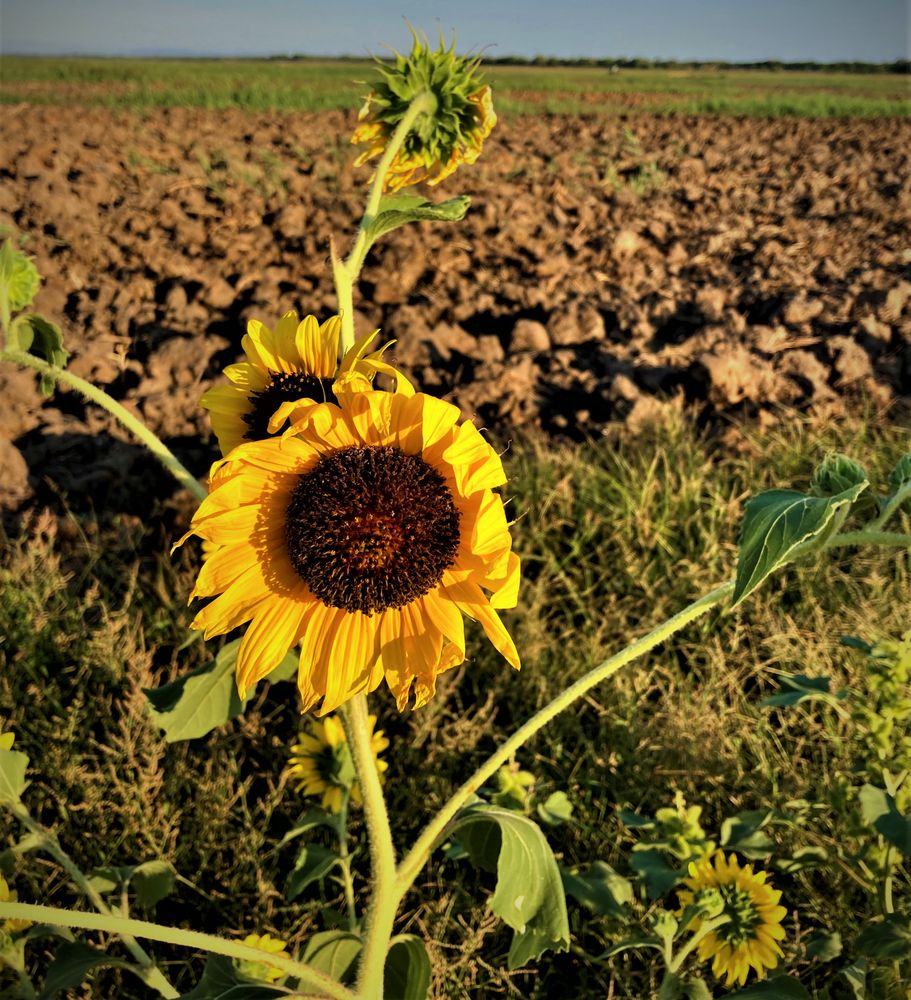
(673, 966)
(133, 424)
(384, 900)
(417, 857)
(113, 924)
(346, 860)
(346, 272)
(151, 974)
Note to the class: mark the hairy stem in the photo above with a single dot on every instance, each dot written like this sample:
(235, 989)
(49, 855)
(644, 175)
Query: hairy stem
(123, 926)
(870, 537)
(346, 272)
(346, 861)
(133, 424)
(380, 916)
(418, 855)
(153, 976)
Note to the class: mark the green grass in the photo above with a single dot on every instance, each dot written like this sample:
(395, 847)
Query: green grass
(615, 536)
(314, 85)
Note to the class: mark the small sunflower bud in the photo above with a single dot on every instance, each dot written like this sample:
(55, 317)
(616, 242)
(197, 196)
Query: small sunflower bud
(835, 474)
(450, 134)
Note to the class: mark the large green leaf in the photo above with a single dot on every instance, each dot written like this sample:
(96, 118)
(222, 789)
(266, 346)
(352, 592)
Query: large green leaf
(221, 981)
(657, 874)
(72, 963)
(599, 888)
(776, 524)
(886, 939)
(743, 833)
(407, 972)
(333, 953)
(152, 881)
(879, 810)
(197, 703)
(313, 863)
(12, 775)
(19, 278)
(36, 335)
(529, 894)
(777, 988)
(399, 210)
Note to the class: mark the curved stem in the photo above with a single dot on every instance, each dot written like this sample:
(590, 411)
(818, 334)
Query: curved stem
(133, 424)
(894, 502)
(153, 976)
(706, 928)
(346, 860)
(418, 855)
(345, 272)
(384, 900)
(176, 936)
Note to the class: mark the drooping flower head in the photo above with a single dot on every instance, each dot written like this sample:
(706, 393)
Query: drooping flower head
(321, 762)
(363, 534)
(452, 134)
(263, 972)
(288, 369)
(751, 934)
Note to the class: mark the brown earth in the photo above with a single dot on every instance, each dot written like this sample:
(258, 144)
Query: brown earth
(609, 269)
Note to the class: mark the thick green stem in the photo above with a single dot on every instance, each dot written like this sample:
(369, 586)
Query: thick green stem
(418, 855)
(136, 427)
(705, 929)
(384, 900)
(898, 498)
(346, 861)
(870, 537)
(123, 926)
(152, 975)
(346, 272)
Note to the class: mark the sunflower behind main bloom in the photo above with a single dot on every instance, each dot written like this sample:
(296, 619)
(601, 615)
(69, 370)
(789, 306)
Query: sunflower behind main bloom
(321, 762)
(363, 534)
(288, 369)
(452, 134)
(751, 934)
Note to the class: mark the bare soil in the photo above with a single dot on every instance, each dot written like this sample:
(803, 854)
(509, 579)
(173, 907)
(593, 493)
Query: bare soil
(608, 270)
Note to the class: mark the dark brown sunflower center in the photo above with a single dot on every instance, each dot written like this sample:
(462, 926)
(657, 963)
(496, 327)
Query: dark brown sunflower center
(284, 387)
(371, 528)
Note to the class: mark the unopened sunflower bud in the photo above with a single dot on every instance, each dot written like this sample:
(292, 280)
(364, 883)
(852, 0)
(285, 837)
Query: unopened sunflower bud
(459, 118)
(664, 924)
(836, 474)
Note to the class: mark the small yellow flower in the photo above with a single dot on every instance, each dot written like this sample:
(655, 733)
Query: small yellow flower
(8, 895)
(321, 762)
(452, 134)
(751, 934)
(263, 971)
(288, 370)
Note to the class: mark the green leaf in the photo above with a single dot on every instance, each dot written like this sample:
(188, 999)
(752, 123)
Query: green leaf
(802, 859)
(152, 881)
(36, 335)
(72, 963)
(856, 978)
(222, 981)
(743, 833)
(797, 688)
(198, 702)
(776, 524)
(879, 810)
(313, 863)
(633, 821)
(12, 775)
(19, 278)
(333, 953)
(657, 874)
(108, 878)
(696, 989)
(529, 894)
(599, 888)
(311, 818)
(824, 947)
(286, 670)
(885, 939)
(407, 972)
(901, 474)
(778, 988)
(399, 210)
(556, 809)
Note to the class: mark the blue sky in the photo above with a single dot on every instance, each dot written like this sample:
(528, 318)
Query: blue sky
(822, 30)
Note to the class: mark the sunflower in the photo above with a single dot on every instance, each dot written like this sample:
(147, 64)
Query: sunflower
(8, 895)
(262, 971)
(321, 762)
(364, 533)
(441, 140)
(751, 934)
(288, 370)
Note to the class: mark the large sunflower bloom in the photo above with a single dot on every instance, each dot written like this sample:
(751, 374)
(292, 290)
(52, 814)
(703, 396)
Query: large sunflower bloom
(364, 533)
(287, 370)
(751, 934)
(321, 762)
